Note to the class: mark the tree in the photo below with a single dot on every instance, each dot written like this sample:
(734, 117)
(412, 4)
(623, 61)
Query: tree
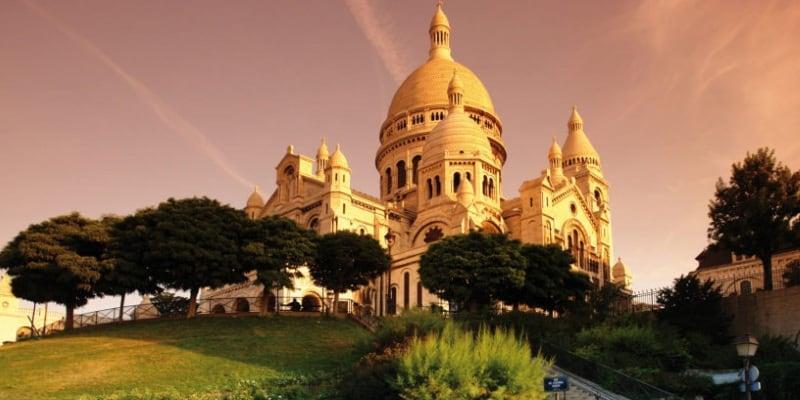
(604, 301)
(127, 272)
(756, 213)
(276, 247)
(791, 277)
(58, 260)
(473, 270)
(189, 244)
(550, 284)
(692, 306)
(345, 260)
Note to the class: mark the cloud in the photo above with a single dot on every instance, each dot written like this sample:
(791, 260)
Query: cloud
(374, 29)
(173, 120)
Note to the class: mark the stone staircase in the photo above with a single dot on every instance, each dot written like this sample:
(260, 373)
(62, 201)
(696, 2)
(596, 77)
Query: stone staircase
(581, 389)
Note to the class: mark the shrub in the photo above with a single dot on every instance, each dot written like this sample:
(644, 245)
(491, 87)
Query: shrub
(399, 329)
(457, 364)
(780, 380)
(627, 345)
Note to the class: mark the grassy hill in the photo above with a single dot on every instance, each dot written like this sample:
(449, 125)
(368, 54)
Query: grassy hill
(185, 357)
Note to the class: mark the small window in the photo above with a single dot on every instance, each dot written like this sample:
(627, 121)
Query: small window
(573, 208)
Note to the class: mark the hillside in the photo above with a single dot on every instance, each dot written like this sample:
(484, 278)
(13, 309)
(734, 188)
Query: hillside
(198, 356)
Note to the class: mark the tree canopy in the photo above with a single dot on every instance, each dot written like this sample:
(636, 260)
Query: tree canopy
(275, 247)
(756, 212)
(692, 306)
(346, 260)
(58, 260)
(473, 270)
(187, 245)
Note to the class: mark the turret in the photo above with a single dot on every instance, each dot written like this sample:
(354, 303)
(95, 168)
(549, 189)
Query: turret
(254, 204)
(440, 35)
(621, 275)
(337, 172)
(455, 93)
(322, 158)
(555, 159)
(578, 150)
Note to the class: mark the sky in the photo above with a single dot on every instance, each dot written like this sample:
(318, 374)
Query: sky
(109, 107)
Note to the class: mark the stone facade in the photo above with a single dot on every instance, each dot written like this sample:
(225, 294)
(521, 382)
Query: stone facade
(440, 162)
(775, 312)
(737, 274)
(14, 319)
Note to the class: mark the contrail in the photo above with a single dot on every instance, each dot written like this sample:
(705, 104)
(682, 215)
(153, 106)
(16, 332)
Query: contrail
(370, 24)
(168, 116)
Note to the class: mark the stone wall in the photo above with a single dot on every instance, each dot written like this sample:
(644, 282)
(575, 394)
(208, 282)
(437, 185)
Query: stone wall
(775, 312)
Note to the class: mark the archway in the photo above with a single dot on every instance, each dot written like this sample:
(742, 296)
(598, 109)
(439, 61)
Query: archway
(218, 309)
(311, 303)
(242, 305)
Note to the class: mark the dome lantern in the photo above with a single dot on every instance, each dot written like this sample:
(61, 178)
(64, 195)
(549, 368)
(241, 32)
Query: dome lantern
(440, 34)
(578, 150)
(455, 93)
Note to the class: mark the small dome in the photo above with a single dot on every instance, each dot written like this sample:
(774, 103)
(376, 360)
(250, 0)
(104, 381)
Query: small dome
(555, 150)
(255, 199)
(620, 271)
(338, 159)
(457, 133)
(466, 192)
(322, 151)
(578, 144)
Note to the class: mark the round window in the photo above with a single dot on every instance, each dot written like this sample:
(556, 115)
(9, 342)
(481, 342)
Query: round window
(5, 304)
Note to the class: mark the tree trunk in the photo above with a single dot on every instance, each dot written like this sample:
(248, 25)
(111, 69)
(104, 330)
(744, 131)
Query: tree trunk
(264, 302)
(515, 307)
(335, 302)
(33, 320)
(191, 311)
(68, 322)
(44, 323)
(122, 307)
(767, 263)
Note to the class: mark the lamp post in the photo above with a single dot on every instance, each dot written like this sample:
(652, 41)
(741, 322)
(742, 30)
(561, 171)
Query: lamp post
(746, 347)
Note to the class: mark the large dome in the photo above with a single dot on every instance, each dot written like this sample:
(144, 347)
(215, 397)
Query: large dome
(427, 86)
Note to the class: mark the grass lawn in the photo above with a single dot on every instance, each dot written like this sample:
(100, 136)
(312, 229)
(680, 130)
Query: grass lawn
(194, 356)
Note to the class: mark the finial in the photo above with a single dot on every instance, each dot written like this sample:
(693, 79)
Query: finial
(290, 149)
(255, 189)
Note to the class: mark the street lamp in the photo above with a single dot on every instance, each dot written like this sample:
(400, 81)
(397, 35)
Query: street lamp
(746, 347)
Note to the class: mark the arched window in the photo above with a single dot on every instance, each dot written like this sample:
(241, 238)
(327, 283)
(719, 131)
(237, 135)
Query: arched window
(598, 196)
(406, 290)
(469, 176)
(419, 293)
(582, 255)
(491, 187)
(388, 180)
(415, 169)
(401, 174)
(485, 186)
(430, 188)
(456, 181)
(438, 185)
(314, 224)
(344, 208)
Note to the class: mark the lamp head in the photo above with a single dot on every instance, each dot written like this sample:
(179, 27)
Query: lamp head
(746, 345)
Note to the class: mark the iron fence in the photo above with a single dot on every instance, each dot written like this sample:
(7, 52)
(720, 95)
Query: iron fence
(219, 306)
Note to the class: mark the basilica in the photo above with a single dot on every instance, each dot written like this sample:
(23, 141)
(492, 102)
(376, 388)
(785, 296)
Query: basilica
(440, 160)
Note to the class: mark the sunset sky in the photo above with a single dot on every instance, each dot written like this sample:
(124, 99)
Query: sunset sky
(107, 107)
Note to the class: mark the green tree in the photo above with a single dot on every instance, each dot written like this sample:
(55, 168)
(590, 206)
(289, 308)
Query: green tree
(276, 247)
(345, 260)
(603, 302)
(695, 307)
(473, 270)
(58, 260)
(550, 283)
(190, 244)
(127, 272)
(754, 213)
(791, 277)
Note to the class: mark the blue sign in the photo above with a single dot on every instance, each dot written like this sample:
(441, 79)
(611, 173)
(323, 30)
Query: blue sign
(556, 384)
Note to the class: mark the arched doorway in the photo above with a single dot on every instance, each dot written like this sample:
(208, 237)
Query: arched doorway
(218, 309)
(242, 305)
(311, 303)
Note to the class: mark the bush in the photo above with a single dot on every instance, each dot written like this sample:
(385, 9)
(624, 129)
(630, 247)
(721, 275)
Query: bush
(457, 364)
(780, 381)
(644, 346)
(415, 322)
